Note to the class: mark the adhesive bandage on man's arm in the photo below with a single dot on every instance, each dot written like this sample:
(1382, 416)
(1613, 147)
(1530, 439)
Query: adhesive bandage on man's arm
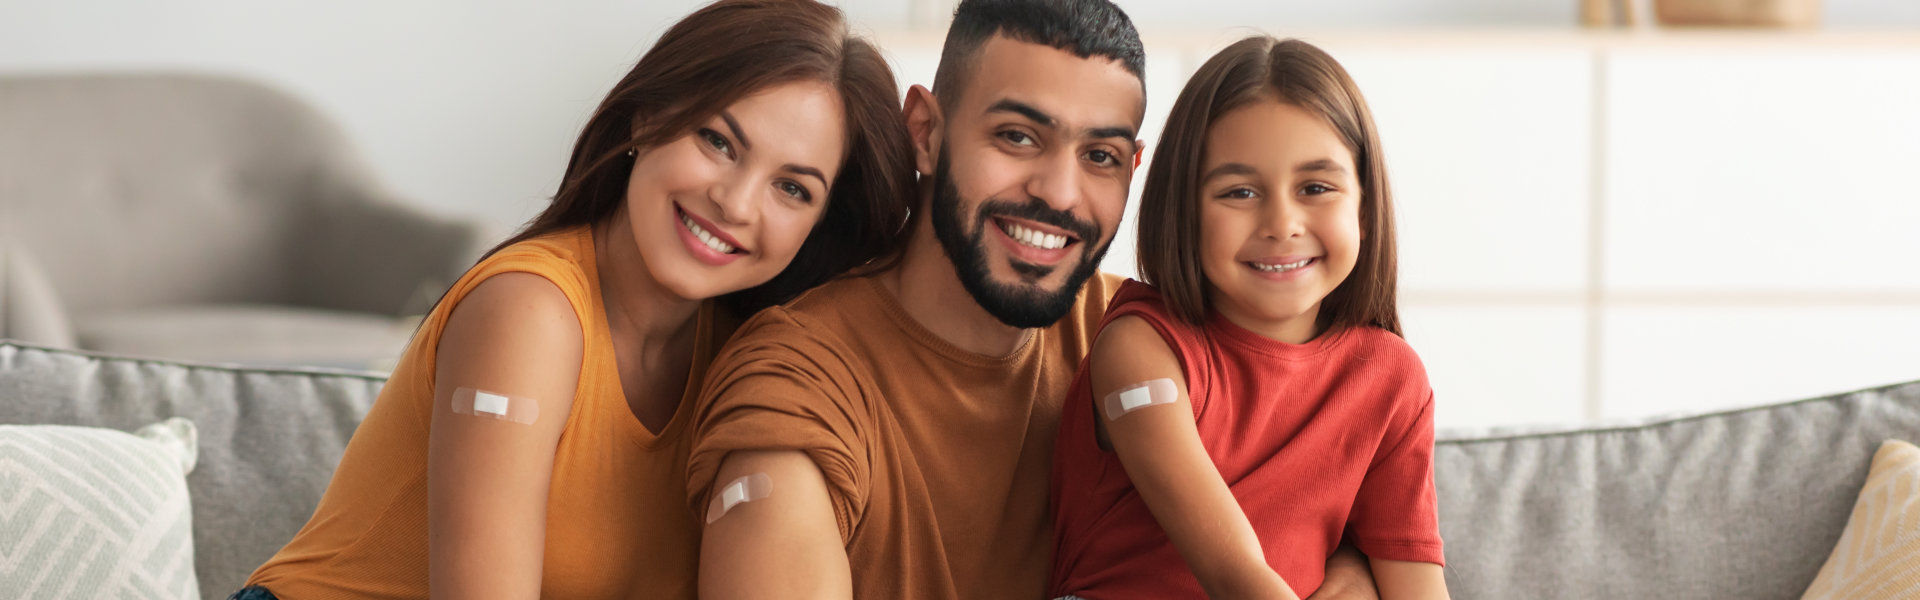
(744, 489)
(481, 403)
(1140, 395)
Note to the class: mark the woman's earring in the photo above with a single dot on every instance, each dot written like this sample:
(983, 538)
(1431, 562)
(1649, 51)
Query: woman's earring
(632, 152)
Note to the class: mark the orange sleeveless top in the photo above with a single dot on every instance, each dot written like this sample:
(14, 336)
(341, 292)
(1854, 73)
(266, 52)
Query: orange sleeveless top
(618, 525)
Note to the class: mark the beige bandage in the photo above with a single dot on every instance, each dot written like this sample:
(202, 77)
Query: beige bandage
(1140, 395)
(482, 403)
(745, 489)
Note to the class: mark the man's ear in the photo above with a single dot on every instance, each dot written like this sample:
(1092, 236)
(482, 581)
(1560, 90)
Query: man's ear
(1139, 148)
(923, 126)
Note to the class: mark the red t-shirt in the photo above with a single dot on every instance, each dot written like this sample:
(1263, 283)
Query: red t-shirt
(1317, 441)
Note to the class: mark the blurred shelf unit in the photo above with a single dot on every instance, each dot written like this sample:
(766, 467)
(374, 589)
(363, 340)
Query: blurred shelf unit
(1620, 223)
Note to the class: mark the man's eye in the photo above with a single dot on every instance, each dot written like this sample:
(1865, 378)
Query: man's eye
(1102, 157)
(1017, 138)
(718, 143)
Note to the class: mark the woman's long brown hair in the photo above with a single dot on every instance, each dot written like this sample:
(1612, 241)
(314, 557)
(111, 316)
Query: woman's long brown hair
(1293, 72)
(714, 57)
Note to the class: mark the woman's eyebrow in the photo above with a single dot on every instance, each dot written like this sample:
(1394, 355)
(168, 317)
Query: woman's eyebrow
(734, 126)
(806, 170)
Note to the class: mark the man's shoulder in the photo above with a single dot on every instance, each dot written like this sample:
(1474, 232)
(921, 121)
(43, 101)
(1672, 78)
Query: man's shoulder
(807, 329)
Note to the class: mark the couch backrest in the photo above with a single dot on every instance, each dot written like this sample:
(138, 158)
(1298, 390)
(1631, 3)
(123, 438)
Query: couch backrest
(269, 439)
(1744, 504)
(138, 190)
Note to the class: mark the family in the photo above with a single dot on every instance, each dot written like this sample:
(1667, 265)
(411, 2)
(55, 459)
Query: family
(781, 335)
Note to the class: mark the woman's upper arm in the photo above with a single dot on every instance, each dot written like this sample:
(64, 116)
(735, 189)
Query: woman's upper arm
(1399, 580)
(1160, 447)
(783, 540)
(515, 336)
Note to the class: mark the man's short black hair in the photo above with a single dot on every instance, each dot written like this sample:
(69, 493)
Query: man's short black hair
(1087, 28)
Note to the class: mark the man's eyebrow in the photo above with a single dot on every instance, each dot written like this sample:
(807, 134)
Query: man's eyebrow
(1324, 165)
(1124, 134)
(806, 170)
(1022, 109)
(734, 126)
(1228, 169)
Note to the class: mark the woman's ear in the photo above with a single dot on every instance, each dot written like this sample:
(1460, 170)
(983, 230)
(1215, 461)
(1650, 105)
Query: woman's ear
(923, 127)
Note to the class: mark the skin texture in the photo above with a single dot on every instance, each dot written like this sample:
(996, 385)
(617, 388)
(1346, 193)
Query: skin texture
(1278, 186)
(517, 334)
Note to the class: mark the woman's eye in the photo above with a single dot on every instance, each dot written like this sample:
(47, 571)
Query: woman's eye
(795, 190)
(1102, 158)
(1017, 138)
(1315, 189)
(1237, 193)
(718, 143)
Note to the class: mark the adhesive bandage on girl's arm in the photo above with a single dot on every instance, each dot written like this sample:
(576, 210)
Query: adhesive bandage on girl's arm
(481, 403)
(745, 489)
(1140, 395)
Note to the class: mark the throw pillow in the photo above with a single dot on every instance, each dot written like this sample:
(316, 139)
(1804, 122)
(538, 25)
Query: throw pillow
(1879, 554)
(97, 513)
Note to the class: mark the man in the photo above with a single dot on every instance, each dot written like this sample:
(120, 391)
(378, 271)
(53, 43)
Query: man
(890, 435)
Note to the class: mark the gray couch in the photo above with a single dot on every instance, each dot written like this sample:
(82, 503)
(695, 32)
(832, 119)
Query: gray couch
(205, 218)
(1743, 504)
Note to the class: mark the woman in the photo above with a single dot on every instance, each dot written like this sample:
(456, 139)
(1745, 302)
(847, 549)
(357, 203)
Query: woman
(531, 443)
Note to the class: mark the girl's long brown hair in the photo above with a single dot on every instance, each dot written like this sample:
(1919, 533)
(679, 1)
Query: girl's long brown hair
(1293, 72)
(710, 59)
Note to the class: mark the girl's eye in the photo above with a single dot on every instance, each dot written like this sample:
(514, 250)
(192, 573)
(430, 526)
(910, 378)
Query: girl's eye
(1102, 158)
(795, 190)
(1315, 189)
(1238, 193)
(716, 142)
(1018, 139)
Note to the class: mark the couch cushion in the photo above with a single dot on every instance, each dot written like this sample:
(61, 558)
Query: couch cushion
(1878, 558)
(96, 513)
(1741, 504)
(269, 439)
(269, 336)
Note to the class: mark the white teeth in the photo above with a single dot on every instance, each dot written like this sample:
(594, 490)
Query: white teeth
(1034, 238)
(1280, 268)
(706, 238)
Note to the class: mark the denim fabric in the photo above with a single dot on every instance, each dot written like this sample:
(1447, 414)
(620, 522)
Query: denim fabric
(253, 592)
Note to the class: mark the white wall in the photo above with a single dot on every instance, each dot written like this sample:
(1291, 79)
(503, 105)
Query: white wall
(471, 107)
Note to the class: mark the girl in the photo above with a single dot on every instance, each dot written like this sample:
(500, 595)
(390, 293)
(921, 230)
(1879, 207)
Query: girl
(531, 441)
(1252, 405)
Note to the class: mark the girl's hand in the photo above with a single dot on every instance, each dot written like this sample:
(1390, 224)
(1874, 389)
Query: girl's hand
(1348, 577)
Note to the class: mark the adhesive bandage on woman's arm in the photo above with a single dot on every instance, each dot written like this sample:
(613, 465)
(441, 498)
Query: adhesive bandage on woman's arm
(745, 489)
(481, 403)
(1140, 395)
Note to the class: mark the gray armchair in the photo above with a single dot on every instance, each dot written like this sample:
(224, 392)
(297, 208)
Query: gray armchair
(206, 218)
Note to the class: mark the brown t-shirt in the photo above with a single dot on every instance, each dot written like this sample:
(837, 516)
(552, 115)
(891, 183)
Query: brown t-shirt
(936, 458)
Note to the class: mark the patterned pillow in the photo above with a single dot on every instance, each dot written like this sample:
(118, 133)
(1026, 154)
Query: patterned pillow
(96, 513)
(1879, 554)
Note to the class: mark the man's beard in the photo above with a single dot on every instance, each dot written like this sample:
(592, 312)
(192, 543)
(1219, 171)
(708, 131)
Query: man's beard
(1019, 305)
